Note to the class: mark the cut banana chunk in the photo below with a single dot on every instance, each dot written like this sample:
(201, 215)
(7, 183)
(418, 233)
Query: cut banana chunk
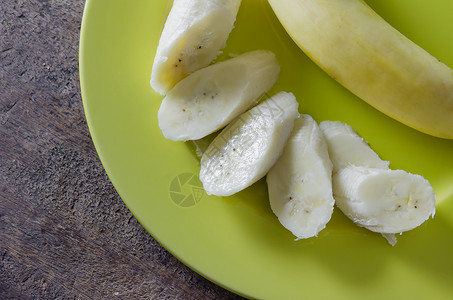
(300, 182)
(385, 201)
(248, 147)
(210, 98)
(193, 34)
(346, 147)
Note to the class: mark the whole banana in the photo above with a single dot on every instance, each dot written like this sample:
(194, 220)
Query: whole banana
(365, 54)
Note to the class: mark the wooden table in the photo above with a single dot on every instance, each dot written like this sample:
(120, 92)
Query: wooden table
(64, 231)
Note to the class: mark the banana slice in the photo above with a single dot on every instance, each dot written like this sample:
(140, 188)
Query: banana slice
(346, 147)
(248, 147)
(193, 34)
(210, 98)
(300, 182)
(385, 201)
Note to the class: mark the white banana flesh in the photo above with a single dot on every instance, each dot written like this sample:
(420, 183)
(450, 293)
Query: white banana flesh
(194, 33)
(346, 147)
(210, 98)
(248, 147)
(300, 182)
(385, 201)
(365, 54)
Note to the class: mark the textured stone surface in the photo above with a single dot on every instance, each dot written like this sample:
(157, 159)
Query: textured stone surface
(64, 231)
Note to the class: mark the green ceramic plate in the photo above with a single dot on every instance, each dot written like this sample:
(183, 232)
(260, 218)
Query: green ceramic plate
(236, 241)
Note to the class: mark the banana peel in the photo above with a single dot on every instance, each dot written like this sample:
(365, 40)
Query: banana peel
(373, 60)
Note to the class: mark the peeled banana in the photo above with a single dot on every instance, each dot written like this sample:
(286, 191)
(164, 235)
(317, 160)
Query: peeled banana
(385, 201)
(346, 147)
(368, 192)
(210, 98)
(247, 148)
(194, 32)
(300, 182)
(373, 60)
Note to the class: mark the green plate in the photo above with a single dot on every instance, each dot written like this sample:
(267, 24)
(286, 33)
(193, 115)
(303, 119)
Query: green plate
(236, 241)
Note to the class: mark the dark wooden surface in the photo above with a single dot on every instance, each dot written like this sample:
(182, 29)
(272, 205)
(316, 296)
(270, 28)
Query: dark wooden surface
(64, 231)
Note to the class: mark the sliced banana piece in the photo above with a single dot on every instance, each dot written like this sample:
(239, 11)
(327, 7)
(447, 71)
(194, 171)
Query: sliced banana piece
(346, 147)
(300, 182)
(194, 32)
(385, 201)
(248, 147)
(210, 98)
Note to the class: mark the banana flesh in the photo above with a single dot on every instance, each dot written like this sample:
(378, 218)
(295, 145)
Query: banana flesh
(194, 32)
(210, 98)
(385, 201)
(346, 147)
(356, 47)
(300, 182)
(248, 147)
(368, 192)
